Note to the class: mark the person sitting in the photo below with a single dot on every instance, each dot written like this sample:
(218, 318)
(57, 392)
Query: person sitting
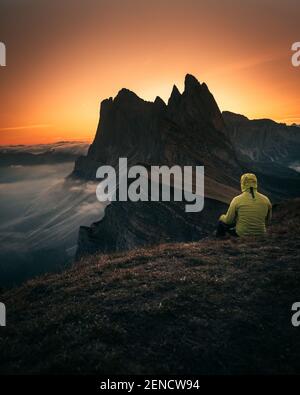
(248, 212)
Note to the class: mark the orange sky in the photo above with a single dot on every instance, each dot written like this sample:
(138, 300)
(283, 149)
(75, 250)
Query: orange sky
(64, 57)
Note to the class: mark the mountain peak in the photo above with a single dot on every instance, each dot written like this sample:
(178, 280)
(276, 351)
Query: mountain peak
(159, 101)
(126, 94)
(151, 132)
(175, 91)
(190, 82)
(230, 116)
(175, 96)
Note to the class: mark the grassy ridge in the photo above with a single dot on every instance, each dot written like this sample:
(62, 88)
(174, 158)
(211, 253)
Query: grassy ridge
(215, 306)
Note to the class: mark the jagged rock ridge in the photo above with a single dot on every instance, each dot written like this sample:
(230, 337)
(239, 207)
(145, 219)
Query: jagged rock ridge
(189, 130)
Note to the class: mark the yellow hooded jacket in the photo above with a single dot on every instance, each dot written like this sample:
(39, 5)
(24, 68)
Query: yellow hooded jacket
(249, 213)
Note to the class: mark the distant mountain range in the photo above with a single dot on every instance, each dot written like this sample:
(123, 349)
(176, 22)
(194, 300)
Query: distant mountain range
(268, 148)
(188, 130)
(263, 141)
(40, 154)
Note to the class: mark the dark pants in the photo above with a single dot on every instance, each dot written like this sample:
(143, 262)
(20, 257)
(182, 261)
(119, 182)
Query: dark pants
(223, 229)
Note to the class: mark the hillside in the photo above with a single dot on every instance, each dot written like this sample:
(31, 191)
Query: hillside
(214, 306)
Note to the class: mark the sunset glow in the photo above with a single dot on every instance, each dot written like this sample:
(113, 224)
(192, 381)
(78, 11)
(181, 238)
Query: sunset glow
(64, 58)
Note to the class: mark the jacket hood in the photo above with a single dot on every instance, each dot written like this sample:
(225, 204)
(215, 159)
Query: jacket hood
(248, 180)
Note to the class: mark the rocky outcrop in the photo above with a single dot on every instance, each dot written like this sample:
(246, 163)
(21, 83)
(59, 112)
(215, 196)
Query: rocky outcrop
(128, 225)
(189, 130)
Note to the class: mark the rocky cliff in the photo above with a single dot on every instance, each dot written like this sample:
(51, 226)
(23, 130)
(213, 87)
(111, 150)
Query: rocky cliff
(129, 225)
(188, 130)
(262, 140)
(268, 148)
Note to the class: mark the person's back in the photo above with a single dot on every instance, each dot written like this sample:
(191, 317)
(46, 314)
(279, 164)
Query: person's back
(248, 212)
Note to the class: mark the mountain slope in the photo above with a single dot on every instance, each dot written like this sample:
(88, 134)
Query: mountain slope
(128, 225)
(214, 306)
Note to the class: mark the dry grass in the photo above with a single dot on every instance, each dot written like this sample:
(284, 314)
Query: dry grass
(215, 306)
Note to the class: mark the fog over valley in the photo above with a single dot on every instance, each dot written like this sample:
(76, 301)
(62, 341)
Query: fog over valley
(41, 212)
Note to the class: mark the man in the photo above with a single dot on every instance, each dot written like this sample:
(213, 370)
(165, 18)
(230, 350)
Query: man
(248, 212)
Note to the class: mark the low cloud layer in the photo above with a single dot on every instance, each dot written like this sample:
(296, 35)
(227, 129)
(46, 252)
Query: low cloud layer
(70, 147)
(41, 212)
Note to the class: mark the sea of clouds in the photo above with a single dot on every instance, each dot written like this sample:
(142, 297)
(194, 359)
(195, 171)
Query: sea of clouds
(41, 210)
